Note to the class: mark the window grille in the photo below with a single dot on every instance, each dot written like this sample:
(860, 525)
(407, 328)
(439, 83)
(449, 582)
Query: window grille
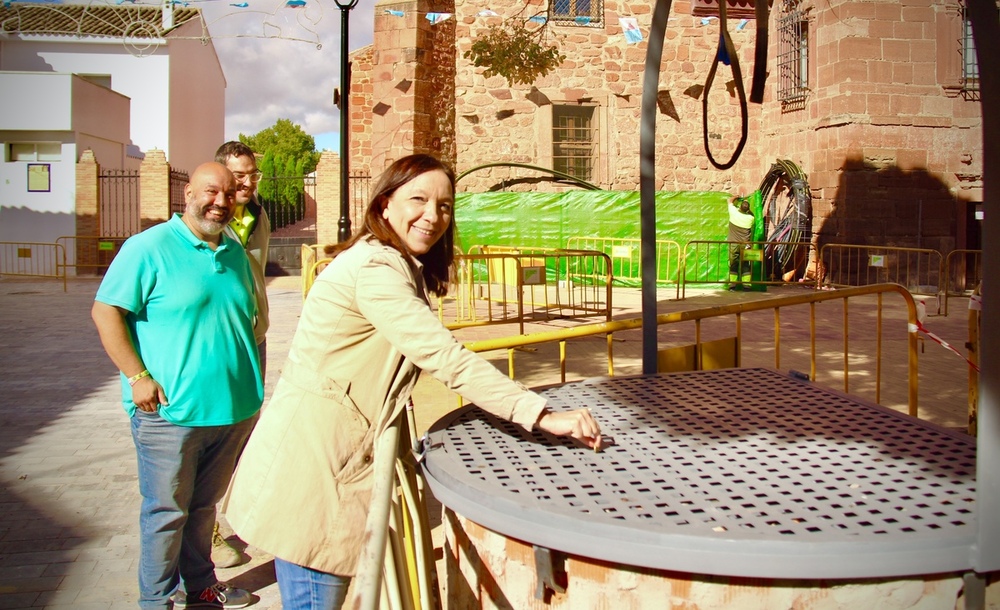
(574, 140)
(577, 12)
(793, 53)
(970, 67)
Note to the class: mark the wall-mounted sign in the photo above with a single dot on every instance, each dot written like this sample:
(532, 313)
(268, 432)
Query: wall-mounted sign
(533, 276)
(621, 252)
(876, 260)
(39, 180)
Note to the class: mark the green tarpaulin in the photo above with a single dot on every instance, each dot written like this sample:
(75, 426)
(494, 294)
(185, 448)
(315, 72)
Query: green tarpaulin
(549, 220)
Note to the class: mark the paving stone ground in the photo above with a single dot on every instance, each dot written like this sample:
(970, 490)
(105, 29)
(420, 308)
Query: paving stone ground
(68, 491)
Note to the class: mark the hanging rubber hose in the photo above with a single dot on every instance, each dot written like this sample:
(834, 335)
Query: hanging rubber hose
(726, 51)
(761, 14)
(788, 224)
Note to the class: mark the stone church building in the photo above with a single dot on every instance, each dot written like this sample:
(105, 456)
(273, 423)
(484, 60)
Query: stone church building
(877, 101)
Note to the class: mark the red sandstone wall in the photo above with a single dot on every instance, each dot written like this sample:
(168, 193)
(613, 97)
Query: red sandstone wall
(892, 149)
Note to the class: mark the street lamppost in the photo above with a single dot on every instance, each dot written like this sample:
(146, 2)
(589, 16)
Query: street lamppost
(344, 225)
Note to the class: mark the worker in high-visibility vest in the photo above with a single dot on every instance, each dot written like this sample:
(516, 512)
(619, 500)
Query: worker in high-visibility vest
(741, 221)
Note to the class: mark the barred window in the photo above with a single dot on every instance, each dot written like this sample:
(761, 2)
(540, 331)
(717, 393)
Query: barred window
(576, 12)
(574, 140)
(970, 67)
(793, 53)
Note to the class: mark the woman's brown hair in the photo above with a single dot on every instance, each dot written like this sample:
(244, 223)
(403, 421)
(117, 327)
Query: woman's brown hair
(438, 261)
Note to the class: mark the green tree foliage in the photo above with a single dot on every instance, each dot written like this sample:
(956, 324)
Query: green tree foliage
(289, 194)
(266, 187)
(286, 140)
(515, 53)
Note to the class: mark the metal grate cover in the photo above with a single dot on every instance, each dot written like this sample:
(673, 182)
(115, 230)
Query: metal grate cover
(738, 472)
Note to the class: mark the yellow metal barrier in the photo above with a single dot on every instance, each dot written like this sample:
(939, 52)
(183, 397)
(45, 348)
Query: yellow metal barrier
(737, 310)
(91, 253)
(975, 321)
(309, 255)
(963, 272)
(707, 261)
(626, 258)
(33, 259)
(510, 285)
(919, 270)
(396, 568)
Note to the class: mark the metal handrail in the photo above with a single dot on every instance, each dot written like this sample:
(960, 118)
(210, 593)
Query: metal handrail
(737, 309)
(368, 582)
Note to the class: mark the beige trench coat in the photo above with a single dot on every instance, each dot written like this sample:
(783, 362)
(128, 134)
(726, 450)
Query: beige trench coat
(303, 484)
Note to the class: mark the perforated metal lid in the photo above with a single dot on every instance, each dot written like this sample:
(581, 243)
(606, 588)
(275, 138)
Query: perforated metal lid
(740, 472)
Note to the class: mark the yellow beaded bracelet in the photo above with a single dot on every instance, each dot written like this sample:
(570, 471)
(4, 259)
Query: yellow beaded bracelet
(133, 379)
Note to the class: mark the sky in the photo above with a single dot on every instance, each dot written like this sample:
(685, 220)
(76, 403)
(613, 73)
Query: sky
(273, 67)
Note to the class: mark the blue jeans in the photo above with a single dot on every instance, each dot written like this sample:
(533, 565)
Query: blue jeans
(303, 588)
(183, 473)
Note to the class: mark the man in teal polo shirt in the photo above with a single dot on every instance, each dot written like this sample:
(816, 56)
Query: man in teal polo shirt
(175, 312)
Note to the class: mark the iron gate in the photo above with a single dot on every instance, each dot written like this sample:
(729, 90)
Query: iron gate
(119, 192)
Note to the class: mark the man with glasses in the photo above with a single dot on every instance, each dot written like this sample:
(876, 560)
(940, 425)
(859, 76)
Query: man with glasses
(251, 227)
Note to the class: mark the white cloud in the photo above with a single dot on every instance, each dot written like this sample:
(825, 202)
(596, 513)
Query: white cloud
(273, 67)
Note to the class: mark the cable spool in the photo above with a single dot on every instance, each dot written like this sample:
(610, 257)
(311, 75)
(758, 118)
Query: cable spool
(787, 221)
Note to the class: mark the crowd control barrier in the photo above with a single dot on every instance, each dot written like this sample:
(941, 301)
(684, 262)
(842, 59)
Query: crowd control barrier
(513, 285)
(963, 274)
(91, 254)
(919, 270)
(626, 259)
(33, 259)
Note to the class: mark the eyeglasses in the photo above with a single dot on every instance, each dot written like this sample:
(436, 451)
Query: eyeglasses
(253, 176)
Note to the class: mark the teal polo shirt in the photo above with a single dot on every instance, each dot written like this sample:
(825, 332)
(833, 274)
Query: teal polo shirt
(191, 313)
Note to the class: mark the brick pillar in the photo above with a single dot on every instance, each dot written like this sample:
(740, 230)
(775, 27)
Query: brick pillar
(154, 189)
(328, 198)
(88, 212)
(413, 86)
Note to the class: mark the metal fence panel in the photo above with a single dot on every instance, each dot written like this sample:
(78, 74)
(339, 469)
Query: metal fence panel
(119, 193)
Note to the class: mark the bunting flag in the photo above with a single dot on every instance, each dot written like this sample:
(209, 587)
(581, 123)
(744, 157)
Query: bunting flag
(743, 24)
(707, 20)
(395, 13)
(436, 18)
(295, 3)
(582, 20)
(487, 13)
(240, 5)
(723, 54)
(538, 18)
(630, 27)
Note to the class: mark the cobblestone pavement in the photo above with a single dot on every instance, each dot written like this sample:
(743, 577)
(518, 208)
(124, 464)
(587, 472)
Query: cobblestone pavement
(68, 492)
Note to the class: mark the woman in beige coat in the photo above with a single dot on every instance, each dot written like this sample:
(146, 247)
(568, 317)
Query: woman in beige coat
(302, 488)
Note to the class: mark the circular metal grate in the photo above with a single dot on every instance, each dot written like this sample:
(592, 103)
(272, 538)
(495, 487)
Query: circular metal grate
(741, 472)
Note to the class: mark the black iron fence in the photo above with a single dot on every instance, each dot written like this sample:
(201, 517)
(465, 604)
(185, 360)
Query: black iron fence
(178, 180)
(284, 198)
(359, 190)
